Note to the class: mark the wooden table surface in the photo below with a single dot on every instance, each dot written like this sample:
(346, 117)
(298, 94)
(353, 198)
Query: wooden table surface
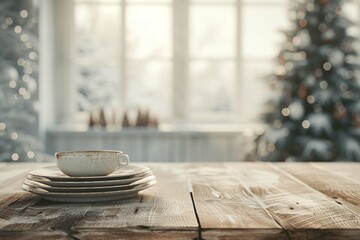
(198, 201)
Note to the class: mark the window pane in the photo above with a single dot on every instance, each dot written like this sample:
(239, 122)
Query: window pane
(255, 88)
(261, 36)
(96, 86)
(149, 86)
(212, 31)
(97, 30)
(148, 31)
(212, 86)
(103, 60)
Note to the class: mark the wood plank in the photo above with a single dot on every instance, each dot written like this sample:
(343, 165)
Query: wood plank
(45, 215)
(349, 170)
(12, 172)
(134, 234)
(12, 198)
(11, 204)
(233, 201)
(297, 207)
(341, 189)
(61, 217)
(31, 235)
(226, 209)
(160, 210)
(334, 234)
(24, 215)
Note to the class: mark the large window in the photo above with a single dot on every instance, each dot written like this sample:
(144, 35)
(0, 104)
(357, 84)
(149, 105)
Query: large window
(124, 54)
(182, 59)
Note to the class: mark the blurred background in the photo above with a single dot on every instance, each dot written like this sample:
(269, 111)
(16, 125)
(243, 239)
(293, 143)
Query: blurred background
(180, 80)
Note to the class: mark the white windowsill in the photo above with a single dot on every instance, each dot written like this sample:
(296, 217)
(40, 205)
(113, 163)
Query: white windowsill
(162, 129)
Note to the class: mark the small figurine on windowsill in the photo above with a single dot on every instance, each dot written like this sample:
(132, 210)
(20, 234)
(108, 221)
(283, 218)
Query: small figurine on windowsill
(102, 119)
(143, 119)
(97, 119)
(125, 120)
(92, 121)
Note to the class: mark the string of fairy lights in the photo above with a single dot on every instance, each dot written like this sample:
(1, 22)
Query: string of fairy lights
(22, 85)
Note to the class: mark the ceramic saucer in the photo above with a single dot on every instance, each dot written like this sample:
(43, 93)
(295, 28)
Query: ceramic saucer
(88, 196)
(65, 189)
(92, 183)
(123, 172)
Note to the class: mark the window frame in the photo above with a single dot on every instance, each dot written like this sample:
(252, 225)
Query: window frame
(64, 75)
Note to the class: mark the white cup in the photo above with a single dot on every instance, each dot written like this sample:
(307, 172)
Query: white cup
(90, 163)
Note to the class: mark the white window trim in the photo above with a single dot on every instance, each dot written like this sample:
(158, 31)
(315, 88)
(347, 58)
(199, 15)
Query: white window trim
(180, 58)
(64, 59)
(64, 62)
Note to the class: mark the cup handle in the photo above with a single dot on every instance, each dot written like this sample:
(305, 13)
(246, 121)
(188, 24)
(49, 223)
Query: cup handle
(124, 159)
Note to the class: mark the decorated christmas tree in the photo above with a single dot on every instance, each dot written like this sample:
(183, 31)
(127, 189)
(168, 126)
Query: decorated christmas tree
(18, 82)
(315, 115)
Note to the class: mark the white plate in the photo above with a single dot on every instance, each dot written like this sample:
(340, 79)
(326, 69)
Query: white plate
(88, 196)
(72, 189)
(122, 172)
(99, 183)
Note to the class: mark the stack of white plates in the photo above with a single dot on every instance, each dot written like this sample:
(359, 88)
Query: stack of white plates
(51, 184)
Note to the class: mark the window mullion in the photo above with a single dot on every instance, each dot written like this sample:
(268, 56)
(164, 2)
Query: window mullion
(123, 70)
(64, 83)
(180, 62)
(238, 103)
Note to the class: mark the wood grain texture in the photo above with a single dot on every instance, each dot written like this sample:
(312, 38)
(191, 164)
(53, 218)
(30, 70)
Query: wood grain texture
(12, 198)
(341, 190)
(349, 170)
(225, 208)
(45, 215)
(26, 235)
(135, 234)
(11, 173)
(232, 201)
(26, 216)
(293, 204)
(165, 207)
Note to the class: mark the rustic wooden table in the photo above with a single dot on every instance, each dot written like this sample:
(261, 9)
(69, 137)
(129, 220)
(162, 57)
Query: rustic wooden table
(198, 201)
